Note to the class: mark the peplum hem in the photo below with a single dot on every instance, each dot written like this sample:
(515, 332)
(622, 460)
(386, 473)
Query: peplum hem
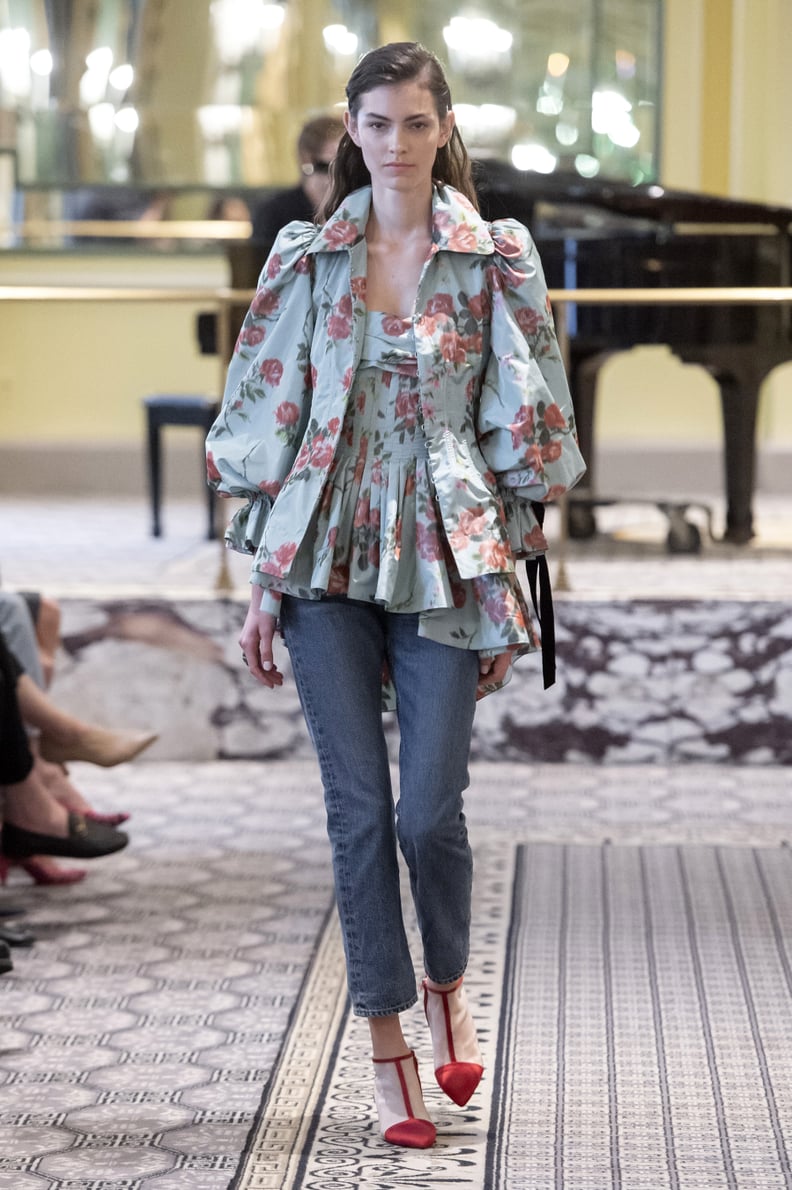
(376, 534)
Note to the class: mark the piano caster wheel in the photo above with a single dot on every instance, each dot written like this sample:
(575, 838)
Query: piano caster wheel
(738, 535)
(683, 536)
(581, 523)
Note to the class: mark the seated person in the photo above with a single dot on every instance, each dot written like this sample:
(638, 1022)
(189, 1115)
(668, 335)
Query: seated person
(34, 821)
(229, 206)
(53, 732)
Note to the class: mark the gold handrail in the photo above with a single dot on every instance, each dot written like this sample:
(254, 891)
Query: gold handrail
(223, 298)
(704, 295)
(709, 295)
(127, 229)
(123, 293)
(240, 229)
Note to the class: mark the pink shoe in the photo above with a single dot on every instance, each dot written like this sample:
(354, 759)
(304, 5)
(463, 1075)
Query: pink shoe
(457, 1057)
(42, 870)
(402, 1113)
(106, 819)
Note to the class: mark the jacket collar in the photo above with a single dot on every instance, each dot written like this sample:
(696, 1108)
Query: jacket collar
(456, 225)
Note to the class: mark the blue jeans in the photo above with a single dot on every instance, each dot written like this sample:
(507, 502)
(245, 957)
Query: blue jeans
(337, 648)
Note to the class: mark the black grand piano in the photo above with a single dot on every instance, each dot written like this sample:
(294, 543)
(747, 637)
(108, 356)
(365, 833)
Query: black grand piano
(595, 234)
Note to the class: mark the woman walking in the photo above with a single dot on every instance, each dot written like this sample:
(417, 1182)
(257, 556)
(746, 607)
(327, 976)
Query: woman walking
(395, 404)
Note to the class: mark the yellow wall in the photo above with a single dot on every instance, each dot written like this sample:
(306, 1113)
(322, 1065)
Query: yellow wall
(716, 115)
(726, 98)
(726, 104)
(78, 374)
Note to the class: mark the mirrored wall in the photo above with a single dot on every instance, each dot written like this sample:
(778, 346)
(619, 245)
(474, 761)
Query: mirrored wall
(210, 94)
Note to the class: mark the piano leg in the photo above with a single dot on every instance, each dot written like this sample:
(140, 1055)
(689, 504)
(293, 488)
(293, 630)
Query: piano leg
(738, 381)
(581, 522)
(739, 403)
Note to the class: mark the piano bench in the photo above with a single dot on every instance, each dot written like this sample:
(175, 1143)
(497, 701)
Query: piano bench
(176, 409)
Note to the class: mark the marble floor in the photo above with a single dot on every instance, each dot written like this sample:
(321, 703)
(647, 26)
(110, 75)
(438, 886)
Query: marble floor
(100, 547)
(131, 1100)
(161, 1033)
(662, 658)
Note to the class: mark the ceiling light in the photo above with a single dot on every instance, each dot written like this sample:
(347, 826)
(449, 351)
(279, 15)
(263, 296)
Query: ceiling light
(41, 63)
(535, 157)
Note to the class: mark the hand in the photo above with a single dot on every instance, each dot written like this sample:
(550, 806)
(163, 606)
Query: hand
(256, 640)
(492, 671)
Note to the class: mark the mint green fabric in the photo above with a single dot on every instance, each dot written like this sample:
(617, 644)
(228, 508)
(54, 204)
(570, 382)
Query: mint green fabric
(490, 395)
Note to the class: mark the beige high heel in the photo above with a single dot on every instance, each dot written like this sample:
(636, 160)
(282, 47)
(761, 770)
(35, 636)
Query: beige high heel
(97, 745)
(403, 1117)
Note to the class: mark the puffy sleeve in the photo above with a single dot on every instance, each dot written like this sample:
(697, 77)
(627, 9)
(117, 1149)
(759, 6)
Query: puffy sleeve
(526, 422)
(254, 440)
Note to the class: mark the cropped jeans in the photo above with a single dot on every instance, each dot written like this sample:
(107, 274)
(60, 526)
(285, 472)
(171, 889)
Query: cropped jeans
(338, 647)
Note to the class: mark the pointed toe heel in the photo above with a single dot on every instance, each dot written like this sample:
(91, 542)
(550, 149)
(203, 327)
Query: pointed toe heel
(97, 745)
(458, 1080)
(457, 1057)
(403, 1117)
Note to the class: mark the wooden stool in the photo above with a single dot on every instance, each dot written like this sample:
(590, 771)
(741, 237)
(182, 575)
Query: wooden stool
(169, 409)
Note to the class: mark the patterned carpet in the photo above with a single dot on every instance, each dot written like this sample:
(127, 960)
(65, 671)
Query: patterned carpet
(182, 1021)
(634, 1005)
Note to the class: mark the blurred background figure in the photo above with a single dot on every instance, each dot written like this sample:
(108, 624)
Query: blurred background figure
(317, 145)
(229, 206)
(105, 204)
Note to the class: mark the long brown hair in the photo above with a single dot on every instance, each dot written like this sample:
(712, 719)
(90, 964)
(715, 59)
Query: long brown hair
(398, 62)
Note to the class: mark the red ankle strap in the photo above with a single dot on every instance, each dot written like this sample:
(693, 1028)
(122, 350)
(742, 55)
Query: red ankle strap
(401, 1058)
(444, 991)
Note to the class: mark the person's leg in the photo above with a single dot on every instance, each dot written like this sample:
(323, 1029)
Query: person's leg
(29, 805)
(48, 623)
(35, 823)
(33, 820)
(59, 783)
(64, 737)
(337, 650)
(436, 698)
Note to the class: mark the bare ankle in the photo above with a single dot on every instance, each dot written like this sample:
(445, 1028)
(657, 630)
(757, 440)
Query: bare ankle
(387, 1039)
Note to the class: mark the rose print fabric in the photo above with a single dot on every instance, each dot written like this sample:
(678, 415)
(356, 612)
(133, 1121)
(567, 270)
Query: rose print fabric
(489, 393)
(376, 532)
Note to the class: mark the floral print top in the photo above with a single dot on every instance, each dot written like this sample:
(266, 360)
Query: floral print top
(490, 392)
(376, 535)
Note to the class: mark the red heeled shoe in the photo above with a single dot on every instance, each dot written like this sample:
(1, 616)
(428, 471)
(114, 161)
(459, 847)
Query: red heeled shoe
(106, 819)
(403, 1117)
(41, 871)
(457, 1057)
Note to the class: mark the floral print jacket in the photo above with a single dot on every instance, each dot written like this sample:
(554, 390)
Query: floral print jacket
(494, 401)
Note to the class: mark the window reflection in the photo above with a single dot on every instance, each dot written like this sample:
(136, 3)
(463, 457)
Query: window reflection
(129, 92)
